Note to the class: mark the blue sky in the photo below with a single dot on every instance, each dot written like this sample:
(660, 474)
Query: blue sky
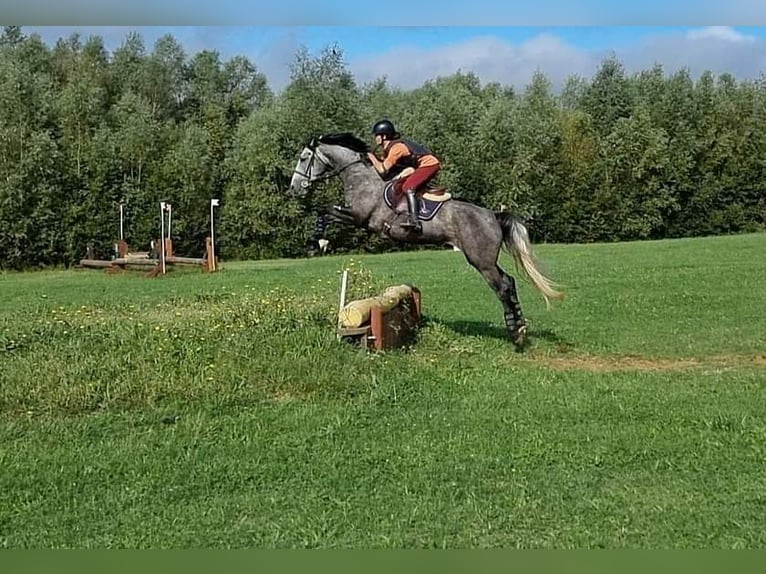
(393, 12)
(407, 56)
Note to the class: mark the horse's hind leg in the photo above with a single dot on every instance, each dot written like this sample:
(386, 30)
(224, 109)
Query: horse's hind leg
(514, 318)
(484, 260)
(504, 287)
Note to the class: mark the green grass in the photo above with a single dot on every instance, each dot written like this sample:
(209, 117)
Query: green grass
(220, 410)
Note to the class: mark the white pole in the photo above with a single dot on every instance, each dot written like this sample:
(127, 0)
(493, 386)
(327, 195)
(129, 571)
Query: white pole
(343, 286)
(162, 236)
(122, 235)
(213, 203)
(342, 303)
(170, 215)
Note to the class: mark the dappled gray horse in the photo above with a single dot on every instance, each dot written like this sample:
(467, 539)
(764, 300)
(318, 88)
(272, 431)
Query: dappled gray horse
(372, 203)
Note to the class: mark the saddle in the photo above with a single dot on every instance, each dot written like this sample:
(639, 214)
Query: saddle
(432, 198)
(431, 191)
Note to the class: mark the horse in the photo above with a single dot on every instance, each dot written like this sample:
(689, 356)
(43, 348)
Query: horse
(372, 203)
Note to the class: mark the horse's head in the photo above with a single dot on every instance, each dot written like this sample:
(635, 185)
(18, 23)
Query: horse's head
(313, 165)
(324, 157)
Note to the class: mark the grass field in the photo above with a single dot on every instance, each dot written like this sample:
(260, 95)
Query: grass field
(220, 411)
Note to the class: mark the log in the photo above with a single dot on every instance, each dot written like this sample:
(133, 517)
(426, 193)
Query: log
(95, 263)
(135, 261)
(188, 260)
(357, 312)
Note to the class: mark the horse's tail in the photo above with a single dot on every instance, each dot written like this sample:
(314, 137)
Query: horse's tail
(516, 241)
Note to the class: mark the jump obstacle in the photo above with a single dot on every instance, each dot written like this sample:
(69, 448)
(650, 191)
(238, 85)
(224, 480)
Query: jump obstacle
(385, 322)
(126, 260)
(141, 260)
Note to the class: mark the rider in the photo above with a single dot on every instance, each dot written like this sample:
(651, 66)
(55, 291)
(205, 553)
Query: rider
(398, 154)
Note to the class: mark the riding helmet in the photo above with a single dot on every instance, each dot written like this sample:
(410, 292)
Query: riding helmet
(384, 128)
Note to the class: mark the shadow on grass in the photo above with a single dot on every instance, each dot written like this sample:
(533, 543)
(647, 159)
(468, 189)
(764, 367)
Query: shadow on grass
(485, 329)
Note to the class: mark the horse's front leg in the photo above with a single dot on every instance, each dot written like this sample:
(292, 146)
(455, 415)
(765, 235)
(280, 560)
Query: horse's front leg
(340, 214)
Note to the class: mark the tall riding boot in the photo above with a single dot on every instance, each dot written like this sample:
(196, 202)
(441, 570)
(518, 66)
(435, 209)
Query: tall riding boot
(413, 205)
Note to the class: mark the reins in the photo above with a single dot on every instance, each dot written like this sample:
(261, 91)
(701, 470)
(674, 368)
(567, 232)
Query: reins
(327, 175)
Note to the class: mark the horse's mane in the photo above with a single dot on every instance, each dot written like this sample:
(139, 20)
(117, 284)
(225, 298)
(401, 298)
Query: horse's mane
(347, 140)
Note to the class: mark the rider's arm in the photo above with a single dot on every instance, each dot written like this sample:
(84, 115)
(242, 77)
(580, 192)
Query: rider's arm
(396, 152)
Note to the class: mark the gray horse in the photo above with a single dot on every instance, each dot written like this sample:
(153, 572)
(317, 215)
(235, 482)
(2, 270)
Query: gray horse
(373, 204)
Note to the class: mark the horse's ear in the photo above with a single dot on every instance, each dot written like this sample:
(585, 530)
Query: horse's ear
(313, 142)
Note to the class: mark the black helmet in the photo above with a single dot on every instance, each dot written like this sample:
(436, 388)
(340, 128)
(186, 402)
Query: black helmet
(384, 128)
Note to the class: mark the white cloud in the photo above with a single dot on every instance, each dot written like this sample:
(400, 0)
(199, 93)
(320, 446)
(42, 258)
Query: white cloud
(721, 33)
(719, 49)
(492, 59)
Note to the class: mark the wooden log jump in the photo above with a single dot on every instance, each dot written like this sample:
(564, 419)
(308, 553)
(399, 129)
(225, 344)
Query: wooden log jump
(124, 259)
(206, 262)
(141, 260)
(384, 322)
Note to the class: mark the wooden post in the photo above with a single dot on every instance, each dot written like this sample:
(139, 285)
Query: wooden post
(168, 247)
(416, 308)
(378, 327)
(208, 263)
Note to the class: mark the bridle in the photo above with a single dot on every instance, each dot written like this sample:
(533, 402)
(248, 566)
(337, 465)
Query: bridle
(319, 156)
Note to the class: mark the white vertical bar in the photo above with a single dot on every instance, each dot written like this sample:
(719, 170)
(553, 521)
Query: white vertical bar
(343, 286)
(162, 236)
(212, 237)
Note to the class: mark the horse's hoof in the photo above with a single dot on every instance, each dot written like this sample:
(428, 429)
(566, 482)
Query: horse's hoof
(519, 335)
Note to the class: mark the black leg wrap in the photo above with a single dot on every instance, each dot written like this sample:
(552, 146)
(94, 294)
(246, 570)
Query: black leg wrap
(514, 318)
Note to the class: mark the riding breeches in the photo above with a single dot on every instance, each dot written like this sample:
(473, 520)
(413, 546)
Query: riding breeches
(420, 177)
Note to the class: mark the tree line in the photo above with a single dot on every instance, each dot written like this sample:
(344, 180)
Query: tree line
(613, 157)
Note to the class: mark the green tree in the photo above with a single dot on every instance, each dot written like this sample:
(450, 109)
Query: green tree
(30, 229)
(608, 97)
(633, 197)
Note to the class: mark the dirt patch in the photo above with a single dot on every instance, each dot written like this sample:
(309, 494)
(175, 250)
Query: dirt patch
(611, 364)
